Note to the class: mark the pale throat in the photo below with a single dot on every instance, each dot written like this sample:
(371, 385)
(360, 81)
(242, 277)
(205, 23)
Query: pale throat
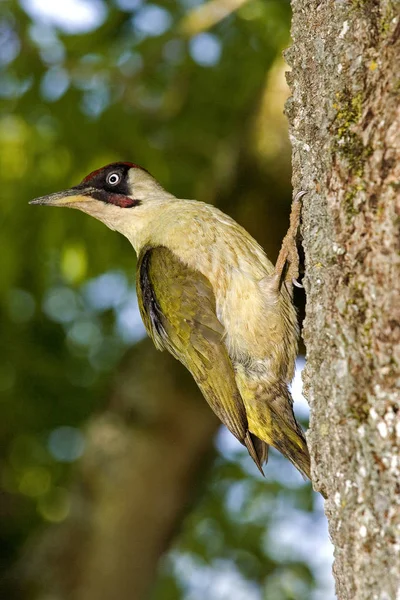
(143, 225)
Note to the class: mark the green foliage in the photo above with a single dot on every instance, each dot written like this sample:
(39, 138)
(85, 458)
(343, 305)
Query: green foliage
(71, 102)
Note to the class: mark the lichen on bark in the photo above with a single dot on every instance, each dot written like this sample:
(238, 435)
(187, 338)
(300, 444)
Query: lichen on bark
(344, 116)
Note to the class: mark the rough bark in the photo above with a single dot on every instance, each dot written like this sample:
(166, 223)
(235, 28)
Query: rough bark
(344, 117)
(139, 474)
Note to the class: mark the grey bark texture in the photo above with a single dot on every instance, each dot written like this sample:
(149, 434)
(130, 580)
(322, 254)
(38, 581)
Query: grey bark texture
(344, 116)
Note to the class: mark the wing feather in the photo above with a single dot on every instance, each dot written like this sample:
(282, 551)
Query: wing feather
(178, 308)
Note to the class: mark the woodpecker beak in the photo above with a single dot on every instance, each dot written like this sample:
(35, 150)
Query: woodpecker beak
(65, 198)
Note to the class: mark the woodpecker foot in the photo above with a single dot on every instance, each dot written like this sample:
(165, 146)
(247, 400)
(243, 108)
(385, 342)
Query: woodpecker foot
(288, 256)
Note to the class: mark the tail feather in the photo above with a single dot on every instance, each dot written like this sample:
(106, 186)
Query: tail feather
(257, 449)
(294, 446)
(271, 419)
(287, 433)
(288, 437)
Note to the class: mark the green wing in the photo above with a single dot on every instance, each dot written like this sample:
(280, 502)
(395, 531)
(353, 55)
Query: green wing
(177, 305)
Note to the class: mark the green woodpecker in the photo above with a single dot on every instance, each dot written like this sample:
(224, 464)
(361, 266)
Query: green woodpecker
(209, 295)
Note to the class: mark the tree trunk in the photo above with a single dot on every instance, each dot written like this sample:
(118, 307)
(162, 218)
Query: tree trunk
(344, 118)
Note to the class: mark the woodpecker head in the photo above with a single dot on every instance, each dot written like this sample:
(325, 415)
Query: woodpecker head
(114, 194)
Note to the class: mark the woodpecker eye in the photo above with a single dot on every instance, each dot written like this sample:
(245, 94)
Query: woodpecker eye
(113, 178)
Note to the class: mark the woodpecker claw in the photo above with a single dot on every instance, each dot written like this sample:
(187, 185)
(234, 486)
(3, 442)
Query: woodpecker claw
(297, 284)
(300, 195)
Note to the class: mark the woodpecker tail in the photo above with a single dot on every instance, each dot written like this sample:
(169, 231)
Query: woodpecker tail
(290, 440)
(257, 449)
(271, 419)
(286, 433)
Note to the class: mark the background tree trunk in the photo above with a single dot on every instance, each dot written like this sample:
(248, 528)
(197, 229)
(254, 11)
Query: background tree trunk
(144, 463)
(345, 120)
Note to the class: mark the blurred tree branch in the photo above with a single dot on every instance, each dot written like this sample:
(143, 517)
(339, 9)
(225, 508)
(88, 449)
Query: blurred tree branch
(207, 15)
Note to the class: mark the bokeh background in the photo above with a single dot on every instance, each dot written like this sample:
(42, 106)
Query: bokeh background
(194, 92)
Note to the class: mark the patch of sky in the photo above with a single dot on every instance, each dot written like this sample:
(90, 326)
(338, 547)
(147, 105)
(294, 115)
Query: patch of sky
(53, 54)
(205, 49)
(301, 407)
(129, 323)
(78, 311)
(71, 16)
(304, 537)
(44, 36)
(9, 43)
(151, 20)
(95, 101)
(281, 469)
(106, 291)
(237, 495)
(54, 84)
(219, 581)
